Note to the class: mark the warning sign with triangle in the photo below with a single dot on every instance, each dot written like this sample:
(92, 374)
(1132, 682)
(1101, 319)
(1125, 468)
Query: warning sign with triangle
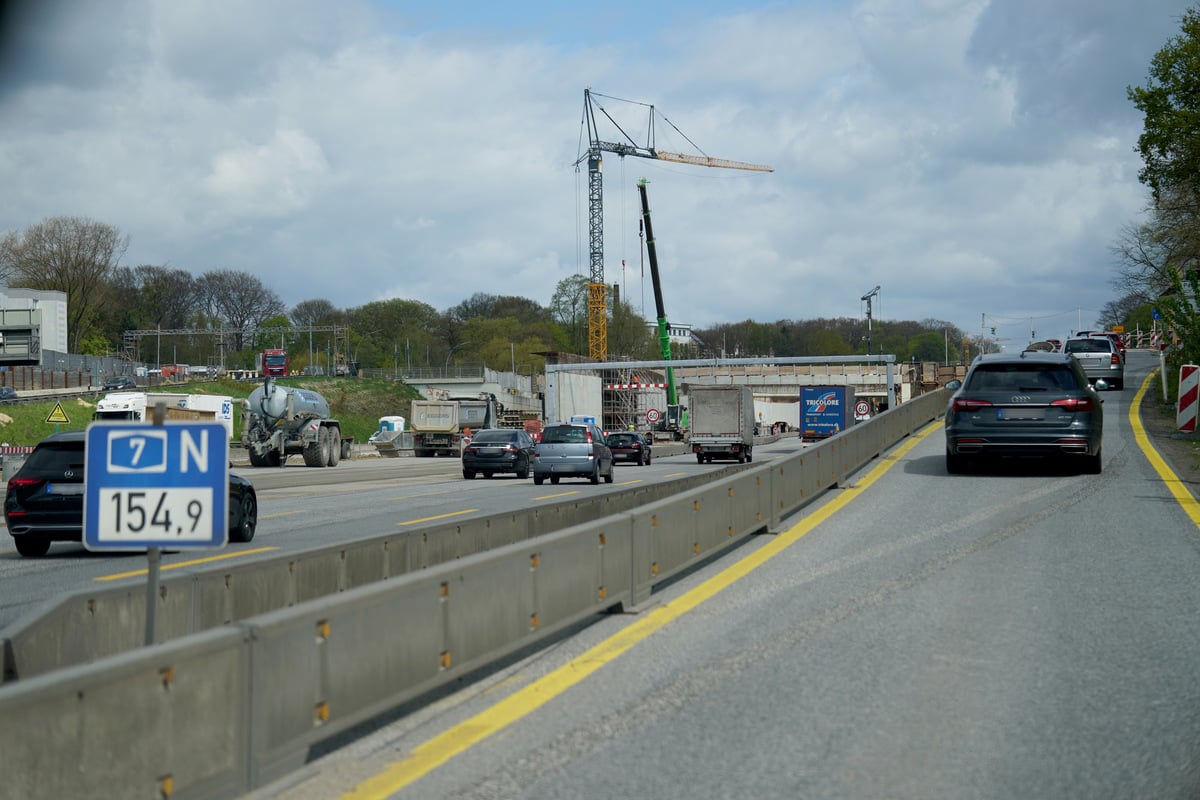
(58, 415)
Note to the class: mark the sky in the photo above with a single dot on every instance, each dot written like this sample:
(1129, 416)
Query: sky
(974, 159)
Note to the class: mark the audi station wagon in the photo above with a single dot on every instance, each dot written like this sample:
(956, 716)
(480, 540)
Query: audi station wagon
(1032, 404)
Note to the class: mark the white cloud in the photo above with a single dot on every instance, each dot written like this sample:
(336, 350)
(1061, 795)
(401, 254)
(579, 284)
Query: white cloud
(968, 156)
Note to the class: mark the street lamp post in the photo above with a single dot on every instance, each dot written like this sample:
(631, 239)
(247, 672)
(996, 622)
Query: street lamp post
(868, 296)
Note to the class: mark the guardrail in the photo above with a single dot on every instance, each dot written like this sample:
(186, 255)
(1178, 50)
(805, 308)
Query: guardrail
(225, 710)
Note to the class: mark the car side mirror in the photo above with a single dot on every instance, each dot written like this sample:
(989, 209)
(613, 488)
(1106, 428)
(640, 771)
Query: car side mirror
(954, 385)
(1100, 385)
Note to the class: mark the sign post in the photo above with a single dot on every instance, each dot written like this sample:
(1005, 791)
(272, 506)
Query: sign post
(158, 486)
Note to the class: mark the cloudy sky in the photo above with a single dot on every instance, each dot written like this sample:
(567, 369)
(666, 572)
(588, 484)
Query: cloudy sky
(972, 158)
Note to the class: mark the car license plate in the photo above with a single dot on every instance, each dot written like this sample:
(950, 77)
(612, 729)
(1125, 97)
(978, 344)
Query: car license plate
(64, 488)
(1020, 413)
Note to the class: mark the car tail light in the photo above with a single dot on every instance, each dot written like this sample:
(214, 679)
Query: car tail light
(1075, 404)
(1116, 358)
(967, 404)
(15, 484)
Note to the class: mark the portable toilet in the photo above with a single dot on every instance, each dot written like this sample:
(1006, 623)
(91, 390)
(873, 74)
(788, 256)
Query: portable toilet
(391, 423)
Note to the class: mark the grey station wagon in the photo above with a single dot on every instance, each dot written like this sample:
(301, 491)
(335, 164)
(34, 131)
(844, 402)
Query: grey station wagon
(1034, 404)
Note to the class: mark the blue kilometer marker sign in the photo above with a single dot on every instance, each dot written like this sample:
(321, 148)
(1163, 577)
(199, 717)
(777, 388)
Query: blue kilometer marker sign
(163, 486)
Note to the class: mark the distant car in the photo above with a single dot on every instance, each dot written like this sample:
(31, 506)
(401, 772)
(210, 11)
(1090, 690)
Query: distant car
(1031, 404)
(572, 450)
(7, 393)
(1116, 338)
(496, 450)
(1100, 359)
(630, 446)
(44, 502)
(119, 383)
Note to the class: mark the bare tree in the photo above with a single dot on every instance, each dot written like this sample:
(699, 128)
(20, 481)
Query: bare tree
(240, 300)
(315, 312)
(157, 296)
(73, 255)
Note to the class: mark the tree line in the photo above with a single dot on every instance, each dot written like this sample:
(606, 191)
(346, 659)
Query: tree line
(81, 258)
(1159, 255)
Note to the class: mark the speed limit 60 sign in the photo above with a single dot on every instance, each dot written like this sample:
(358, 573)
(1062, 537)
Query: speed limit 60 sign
(161, 486)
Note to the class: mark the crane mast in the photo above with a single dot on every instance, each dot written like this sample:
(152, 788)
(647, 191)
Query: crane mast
(597, 288)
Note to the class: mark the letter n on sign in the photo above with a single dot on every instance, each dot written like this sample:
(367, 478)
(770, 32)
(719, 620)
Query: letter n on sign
(1189, 393)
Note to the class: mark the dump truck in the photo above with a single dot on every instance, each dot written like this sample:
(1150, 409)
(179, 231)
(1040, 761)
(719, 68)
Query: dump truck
(138, 406)
(824, 411)
(278, 421)
(442, 427)
(722, 423)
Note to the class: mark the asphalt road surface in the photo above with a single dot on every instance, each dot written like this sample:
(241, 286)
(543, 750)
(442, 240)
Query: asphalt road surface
(1022, 631)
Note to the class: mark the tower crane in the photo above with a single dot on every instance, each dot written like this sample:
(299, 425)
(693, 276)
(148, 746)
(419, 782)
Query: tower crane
(597, 288)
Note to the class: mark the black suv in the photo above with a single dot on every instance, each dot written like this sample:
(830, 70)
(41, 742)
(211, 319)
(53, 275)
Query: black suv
(630, 446)
(44, 502)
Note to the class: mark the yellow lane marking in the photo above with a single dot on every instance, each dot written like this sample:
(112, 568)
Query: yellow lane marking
(193, 562)
(439, 516)
(674, 474)
(437, 751)
(552, 496)
(1174, 483)
(280, 514)
(419, 494)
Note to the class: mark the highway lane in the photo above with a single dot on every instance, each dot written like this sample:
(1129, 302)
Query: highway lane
(1018, 632)
(301, 508)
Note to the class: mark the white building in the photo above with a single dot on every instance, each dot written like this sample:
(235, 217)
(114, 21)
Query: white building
(677, 332)
(31, 321)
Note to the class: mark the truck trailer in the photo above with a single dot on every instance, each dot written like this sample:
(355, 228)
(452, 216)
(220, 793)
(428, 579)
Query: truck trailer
(137, 406)
(722, 423)
(824, 411)
(442, 427)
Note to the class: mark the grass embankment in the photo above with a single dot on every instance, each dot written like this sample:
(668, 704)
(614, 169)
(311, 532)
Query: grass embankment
(357, 403)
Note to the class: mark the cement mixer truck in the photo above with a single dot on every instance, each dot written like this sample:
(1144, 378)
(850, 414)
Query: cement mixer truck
(278, 421)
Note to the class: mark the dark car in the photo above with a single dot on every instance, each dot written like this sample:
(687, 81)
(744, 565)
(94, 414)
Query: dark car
(572, 450)
(119, 383)
(44, 502)
(7, 393)
(498, 450)
(629, 446)
(1031, 404)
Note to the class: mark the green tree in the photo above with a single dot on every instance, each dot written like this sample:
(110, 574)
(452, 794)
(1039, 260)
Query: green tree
(568, 306)
(73, 255)
(1170, 141)
(1164, 252)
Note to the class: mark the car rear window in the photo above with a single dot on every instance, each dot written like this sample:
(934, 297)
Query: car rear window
(494, 436)
(1023, 377)
(1097, 345)
(621, 439)
(56, 458)
(564, 434)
